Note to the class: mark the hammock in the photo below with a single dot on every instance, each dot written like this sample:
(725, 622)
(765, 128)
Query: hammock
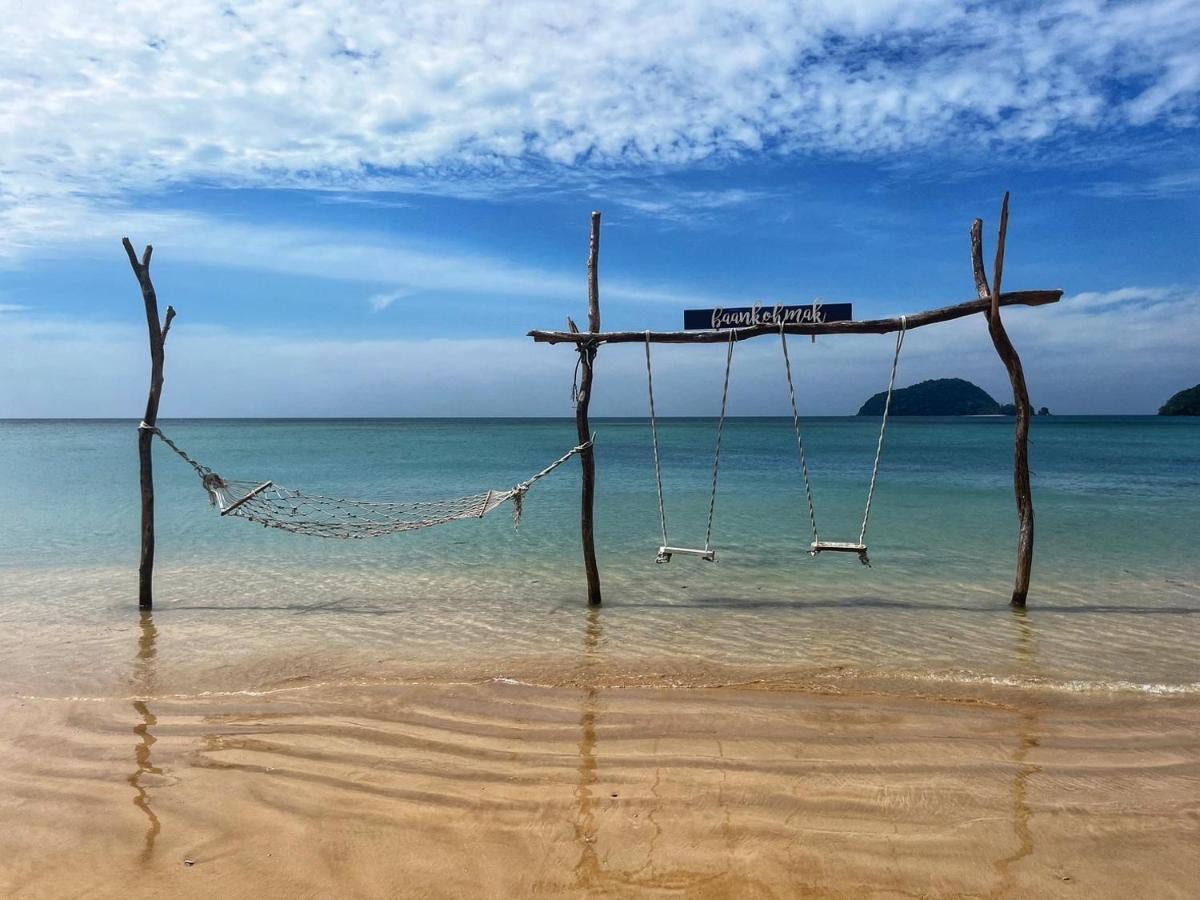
(274, 506)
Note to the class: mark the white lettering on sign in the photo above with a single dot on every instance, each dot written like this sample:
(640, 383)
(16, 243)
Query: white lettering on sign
(768, 315)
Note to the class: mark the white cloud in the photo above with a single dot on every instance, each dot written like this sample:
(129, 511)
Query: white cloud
(98, 100)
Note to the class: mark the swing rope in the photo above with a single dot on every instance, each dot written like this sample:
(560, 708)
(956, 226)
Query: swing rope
(808, 493)
(887, 408)
(662, 508)
(817, 545)
(666, 550)
(712, 500)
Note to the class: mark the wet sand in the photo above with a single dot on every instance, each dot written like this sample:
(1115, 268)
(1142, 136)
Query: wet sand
(502, 790)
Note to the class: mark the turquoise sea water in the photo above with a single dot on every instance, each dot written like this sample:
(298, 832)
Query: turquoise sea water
(1115, 602)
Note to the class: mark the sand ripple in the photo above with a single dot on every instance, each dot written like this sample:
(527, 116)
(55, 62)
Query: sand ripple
(504, 789)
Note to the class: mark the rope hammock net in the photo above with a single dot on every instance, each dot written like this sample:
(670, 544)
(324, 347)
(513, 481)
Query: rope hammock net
(275, 506)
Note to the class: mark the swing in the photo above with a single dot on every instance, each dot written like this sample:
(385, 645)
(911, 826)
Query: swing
(858, 547)
(666, 550)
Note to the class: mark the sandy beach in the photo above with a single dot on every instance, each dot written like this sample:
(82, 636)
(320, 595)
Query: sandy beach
(505, 790)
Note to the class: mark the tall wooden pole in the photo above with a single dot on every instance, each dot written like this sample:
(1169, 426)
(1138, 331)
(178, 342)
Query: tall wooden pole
(158, 337)
(587, 458)
(1016, 375)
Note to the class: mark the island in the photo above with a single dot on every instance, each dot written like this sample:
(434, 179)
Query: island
(1185, 403)
(941, 397)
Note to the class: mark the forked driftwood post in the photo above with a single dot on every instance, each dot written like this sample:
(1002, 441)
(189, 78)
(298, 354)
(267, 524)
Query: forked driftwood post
(990, 300)
(158, 338)
(1016, 375)
(583, 399)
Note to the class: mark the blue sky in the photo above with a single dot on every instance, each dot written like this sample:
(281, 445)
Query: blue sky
(360, 209)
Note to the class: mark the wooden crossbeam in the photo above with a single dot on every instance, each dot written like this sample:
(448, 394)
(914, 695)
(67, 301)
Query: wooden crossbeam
(867, 326)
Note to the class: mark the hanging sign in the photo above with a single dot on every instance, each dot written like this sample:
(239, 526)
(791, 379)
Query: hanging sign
(761, 314)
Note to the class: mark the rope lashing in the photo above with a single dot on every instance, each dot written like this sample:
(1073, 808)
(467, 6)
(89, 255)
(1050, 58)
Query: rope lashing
(808, 492)
(887, 408)
(588, 347)
(274, 506)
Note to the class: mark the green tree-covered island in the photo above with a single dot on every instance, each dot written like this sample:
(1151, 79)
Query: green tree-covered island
(941, 397)
(1185, 403)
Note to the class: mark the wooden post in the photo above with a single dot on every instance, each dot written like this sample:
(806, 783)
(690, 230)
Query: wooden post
(587, 457)
(158, 337)
(1016, 375)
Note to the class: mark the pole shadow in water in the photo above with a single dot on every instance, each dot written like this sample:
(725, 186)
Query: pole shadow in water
(144, 670)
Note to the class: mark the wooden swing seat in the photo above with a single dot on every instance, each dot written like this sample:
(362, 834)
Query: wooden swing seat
(665, 553)
(841, 547)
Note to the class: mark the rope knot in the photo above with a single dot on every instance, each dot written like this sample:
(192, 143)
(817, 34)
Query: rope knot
(214, 484)
(518, 502)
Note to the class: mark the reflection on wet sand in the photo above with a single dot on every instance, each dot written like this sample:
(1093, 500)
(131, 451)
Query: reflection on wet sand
(587, 870)
(1027, 733)
(497, 789)
(143, 678)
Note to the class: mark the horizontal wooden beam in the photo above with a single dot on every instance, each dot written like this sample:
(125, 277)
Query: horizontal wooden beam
(868, 326)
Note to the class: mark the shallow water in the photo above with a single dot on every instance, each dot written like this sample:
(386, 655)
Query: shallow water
(1115, 604)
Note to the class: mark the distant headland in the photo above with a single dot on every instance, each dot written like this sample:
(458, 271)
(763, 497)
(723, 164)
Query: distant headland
(941, 397)
(1185, 403)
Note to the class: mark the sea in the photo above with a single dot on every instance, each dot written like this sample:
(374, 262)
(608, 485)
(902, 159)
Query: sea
(1114, 604)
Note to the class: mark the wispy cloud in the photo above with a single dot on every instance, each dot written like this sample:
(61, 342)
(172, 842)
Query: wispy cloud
(683, 205)
(353, 256)
(1124, 350)
(364, 199)
(380, 302)
(1168, 184)
(1131, 297)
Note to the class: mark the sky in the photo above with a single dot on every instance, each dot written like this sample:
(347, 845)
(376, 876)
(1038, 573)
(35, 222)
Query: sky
(360, 209)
